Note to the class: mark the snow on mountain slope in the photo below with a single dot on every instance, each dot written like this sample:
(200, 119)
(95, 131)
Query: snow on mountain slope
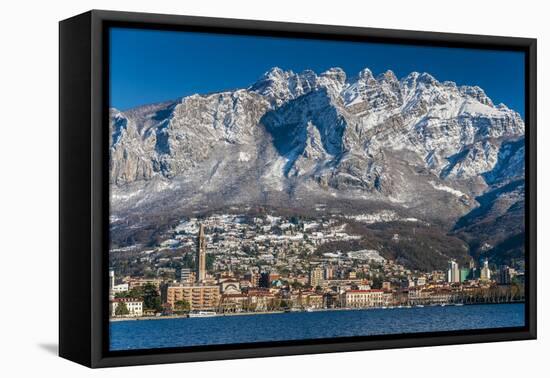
(291, 136)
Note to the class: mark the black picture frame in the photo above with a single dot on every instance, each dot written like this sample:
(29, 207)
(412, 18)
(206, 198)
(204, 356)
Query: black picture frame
(83, 182)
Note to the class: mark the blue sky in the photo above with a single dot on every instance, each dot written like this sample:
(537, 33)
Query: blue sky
(152, 66)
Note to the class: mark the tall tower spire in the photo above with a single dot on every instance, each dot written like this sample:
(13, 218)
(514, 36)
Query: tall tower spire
(201, 255)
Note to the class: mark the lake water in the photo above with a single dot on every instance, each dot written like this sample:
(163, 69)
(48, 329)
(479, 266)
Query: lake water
(163, 333)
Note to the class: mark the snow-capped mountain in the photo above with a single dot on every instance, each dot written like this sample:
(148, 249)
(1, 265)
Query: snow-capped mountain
(422, 146)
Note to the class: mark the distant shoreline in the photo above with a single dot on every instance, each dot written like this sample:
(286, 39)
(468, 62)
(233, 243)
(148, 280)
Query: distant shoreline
(187, 317)
(115, 320)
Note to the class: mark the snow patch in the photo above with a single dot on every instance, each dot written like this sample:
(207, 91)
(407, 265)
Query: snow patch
(447, 189)
(125, 196)
(244, 156)
(366, 254)
(380, 217)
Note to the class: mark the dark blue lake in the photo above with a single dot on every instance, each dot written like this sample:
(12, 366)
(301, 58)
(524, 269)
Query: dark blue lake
(162, 333)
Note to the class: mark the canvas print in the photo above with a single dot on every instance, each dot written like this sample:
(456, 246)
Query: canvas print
(269, 189)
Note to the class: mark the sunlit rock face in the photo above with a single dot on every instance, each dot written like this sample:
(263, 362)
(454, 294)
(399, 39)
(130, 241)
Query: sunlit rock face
(413, 142)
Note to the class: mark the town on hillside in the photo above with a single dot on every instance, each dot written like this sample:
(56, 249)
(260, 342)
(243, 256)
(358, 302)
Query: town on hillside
(269, 264)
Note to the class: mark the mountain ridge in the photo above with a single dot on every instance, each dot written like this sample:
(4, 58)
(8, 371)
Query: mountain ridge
(424, 147)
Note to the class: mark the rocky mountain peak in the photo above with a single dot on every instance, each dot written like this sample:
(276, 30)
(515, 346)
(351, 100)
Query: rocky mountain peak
(476, 93)
(335, 73)
(365, 75)
(387, 77)
(276, 73)
(279, 86)
(427, 79)
(409, 81)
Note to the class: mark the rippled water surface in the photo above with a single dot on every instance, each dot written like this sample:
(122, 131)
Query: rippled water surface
(162, 333)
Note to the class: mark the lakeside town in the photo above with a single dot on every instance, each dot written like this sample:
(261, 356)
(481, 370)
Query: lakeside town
(231, 264)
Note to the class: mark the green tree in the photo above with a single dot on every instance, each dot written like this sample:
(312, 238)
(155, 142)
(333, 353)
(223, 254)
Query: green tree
(377, 282)
(284, 304)
(361, 275)
(284, 271)
(188, 261)
(296, 285)
(121, 309)
(151, 297)
(136, 292)
(182, 306)
(122, 294)
(210, 262)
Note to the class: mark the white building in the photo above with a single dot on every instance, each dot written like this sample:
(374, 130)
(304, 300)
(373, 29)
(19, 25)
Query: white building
(366, 298)
(316, 277)
(485, 274)
(453, 273)
(185, 275)
(111, 279)
(420, 281)
(134, 306)
(232, 287)
(121, 288)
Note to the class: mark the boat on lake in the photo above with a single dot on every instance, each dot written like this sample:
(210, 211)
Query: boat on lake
(202, 314)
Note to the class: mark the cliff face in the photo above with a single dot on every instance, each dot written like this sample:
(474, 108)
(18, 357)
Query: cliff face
(326, 130)
(428, 149)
